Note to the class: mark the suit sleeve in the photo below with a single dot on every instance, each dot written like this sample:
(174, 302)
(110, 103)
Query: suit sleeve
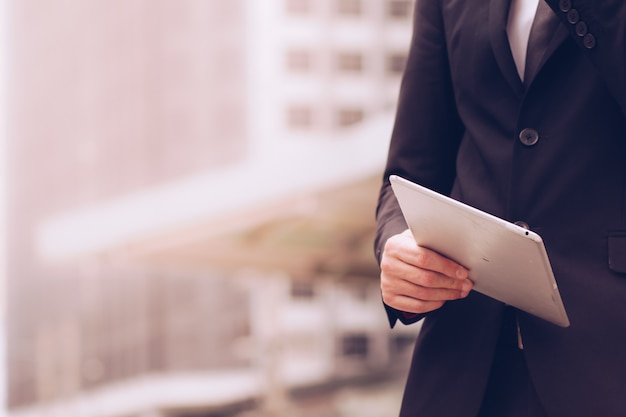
(427, 128)
(599, 28)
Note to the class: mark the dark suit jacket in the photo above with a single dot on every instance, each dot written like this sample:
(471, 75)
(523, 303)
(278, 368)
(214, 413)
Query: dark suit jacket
(458, 130)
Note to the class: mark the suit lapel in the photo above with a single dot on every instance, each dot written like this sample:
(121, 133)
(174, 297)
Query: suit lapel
(498, 17)
(558, 37)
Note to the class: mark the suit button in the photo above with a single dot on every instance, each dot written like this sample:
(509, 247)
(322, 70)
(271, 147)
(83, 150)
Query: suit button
(565, 5)
(529, 136)
(573, 17)
(589, 41)
(581, 28)
(522, 224)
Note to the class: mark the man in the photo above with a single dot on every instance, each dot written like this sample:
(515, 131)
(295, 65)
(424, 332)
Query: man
(538, 137)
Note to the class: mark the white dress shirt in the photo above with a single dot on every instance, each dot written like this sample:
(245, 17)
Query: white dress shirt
(521, 16)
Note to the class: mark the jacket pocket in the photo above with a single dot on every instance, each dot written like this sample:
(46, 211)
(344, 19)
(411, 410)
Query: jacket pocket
(617, 251)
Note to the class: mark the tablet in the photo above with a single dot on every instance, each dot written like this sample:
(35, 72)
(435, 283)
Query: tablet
(505, 261)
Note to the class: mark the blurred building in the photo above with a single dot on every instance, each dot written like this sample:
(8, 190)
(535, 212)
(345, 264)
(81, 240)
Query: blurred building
(191, 187)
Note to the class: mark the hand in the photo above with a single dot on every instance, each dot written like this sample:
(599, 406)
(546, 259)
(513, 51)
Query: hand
(414, 279)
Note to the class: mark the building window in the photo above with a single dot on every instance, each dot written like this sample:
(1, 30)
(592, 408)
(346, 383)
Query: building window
(399, 9)
(302, 290)
(350, 62)
(360, 292)
(299, 117)
(347, 117)
(401, 343)
(349, 7)
(299, 60)
(355, 345)
(298, 6)
(396, 63)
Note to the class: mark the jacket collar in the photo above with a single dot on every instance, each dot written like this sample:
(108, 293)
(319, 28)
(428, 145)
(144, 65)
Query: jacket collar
(498, 17)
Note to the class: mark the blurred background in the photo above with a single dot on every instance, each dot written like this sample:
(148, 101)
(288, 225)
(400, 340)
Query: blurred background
(190, 189)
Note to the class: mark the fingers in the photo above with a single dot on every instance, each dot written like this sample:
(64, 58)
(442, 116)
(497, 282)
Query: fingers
(404, 248)
(418, 280)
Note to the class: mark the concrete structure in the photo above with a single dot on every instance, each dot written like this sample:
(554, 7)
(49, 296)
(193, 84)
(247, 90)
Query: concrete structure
(191, 200)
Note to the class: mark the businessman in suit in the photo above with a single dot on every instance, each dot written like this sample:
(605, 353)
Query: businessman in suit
(516, 107)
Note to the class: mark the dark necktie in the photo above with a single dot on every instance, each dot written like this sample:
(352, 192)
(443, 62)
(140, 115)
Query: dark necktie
(540, 33)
